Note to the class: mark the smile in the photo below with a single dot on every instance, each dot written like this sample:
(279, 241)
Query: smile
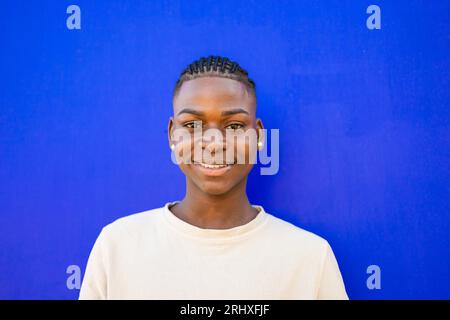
(212, 166)
(213, 169)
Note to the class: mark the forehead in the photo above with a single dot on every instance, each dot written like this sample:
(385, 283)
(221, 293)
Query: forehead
(214, 92)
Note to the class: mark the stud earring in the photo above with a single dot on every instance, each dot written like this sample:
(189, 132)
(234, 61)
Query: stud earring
(172, 146)
(260, 145)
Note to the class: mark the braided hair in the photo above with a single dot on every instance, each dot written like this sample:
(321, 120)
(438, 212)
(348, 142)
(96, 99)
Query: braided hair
(215, 66)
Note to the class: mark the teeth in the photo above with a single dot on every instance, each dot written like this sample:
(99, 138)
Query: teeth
(212, 166)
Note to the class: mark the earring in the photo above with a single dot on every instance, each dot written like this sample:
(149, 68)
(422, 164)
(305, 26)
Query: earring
(172, 146)
(260, 145)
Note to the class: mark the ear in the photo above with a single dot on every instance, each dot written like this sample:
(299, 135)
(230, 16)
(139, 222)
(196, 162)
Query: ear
(170, 130)
(260, 132)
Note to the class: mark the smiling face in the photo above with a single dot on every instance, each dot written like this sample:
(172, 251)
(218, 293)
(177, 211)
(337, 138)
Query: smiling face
(221, 104)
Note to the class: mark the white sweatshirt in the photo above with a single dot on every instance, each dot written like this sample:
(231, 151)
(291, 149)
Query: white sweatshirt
(156, 255)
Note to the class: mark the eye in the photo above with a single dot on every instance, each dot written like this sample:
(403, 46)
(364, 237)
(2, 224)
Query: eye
(193, 124)
(234, 126)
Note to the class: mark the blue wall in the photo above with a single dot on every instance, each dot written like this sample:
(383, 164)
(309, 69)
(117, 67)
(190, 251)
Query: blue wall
(363, 116)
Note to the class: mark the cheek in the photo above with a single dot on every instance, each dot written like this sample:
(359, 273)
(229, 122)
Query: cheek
(184, 151)
(246, 150)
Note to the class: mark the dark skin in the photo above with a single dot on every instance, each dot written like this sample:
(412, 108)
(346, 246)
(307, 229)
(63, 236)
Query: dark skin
(220, 201)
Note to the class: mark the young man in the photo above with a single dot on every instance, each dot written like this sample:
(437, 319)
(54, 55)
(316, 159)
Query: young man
(213, 244)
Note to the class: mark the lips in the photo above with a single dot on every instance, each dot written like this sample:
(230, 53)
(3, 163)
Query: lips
(211, 166)
(213, 169)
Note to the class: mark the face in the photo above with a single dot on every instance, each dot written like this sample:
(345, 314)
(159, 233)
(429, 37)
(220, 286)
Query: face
(215, 105)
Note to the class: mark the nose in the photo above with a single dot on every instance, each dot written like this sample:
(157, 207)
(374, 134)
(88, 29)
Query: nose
(211, 143)
(211, 138)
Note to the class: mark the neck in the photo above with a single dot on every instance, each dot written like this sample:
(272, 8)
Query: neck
(209, 211)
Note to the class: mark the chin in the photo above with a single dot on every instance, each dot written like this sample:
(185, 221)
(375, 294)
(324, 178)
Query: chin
(213, 188)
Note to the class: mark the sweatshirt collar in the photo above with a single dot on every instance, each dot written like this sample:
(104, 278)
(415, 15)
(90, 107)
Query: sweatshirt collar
(218, 234)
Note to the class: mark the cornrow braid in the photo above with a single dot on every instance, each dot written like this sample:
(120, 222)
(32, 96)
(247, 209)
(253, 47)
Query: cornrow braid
(215, 66)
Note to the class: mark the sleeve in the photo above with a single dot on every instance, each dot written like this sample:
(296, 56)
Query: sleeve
(94, 286)
(331, 285)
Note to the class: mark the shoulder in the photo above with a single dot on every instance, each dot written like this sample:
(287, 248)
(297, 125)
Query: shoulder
(296, 237)
(133, 225)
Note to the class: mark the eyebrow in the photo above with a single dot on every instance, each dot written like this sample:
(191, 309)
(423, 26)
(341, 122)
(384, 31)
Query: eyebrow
(191, 111)
(224, 113)
(233, 111)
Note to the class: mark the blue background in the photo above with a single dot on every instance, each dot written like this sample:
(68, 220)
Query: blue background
(363, 116)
